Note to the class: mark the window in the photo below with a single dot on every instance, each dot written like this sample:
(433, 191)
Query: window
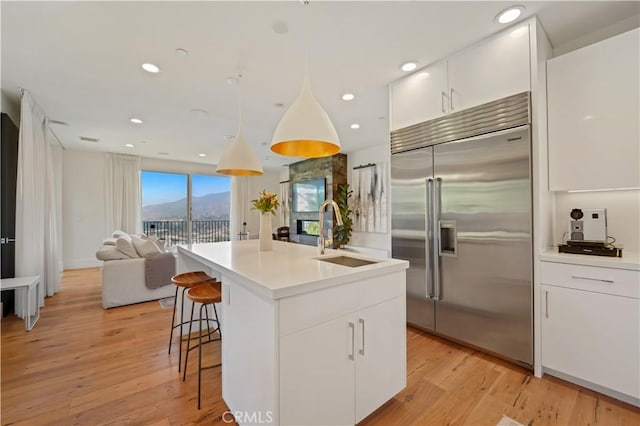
(167, 199)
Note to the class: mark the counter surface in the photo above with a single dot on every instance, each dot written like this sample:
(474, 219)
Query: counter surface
(287, 270)
(629, 260)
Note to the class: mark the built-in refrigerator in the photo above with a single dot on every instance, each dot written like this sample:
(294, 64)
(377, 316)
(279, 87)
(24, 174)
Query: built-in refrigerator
(462, 216)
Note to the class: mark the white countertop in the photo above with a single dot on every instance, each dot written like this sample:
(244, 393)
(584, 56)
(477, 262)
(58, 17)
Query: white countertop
(629, 260)
(287, 270)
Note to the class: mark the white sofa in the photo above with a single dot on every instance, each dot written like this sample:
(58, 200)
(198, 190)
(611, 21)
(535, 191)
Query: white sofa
(123, 283)
(131, 265)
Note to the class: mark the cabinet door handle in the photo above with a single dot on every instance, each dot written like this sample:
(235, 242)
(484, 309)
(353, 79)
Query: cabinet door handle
(577, 277)
(546, 304)
(361, 321)
(444, 95)
(451, 99)
(352, 326)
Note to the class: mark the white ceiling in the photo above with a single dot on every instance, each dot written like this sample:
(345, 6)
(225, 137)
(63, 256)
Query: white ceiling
(81, 61)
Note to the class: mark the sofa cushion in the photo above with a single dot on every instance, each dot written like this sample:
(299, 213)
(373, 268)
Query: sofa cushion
(109, 242)
(145, 248)
(125, 246)
(110, 253)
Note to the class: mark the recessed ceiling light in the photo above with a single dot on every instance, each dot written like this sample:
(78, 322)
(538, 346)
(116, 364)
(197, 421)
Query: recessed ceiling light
(355, 126)
(408, 66)
(509, 15)
(229, 137)
(135, 120)
(151, 68)
(348, 97)
(202, 155)
(129, 145)
(181, 52)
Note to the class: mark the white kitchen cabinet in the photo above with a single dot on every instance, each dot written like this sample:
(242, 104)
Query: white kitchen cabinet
(361, 366)
(593, 110)
(493, 69)
(380, 339)
(419, 97)
(590, 327)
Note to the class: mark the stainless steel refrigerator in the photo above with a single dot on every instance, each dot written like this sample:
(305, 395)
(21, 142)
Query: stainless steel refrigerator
(462, 217)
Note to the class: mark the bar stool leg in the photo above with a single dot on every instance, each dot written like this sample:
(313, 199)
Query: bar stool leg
(186, 358)
(200, 351)
(217, 320)
(181, 323)
(206, 313)
(173, 319)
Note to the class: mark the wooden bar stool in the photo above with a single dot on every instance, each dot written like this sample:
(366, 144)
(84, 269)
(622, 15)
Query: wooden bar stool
(207, 294)
(185, 281)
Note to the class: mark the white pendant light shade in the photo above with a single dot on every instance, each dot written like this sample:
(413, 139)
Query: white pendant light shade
(239, 159)
(305, 130)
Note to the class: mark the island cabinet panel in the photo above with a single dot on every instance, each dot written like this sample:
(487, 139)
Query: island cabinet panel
(339, 365)
(317, 380)
(591, 328)
(248, 329)
(381, 363)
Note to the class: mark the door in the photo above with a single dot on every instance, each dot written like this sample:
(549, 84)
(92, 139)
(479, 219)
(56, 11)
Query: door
(419, 97)
(411, 178)
(9, 176)
(381, 364)
(316, 386)
(485, 248)
(592, 336)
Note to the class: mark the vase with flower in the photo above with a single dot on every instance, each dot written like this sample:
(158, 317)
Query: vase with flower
(267, 204)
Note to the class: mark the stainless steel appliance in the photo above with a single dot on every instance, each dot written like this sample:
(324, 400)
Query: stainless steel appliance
(462, 217)
(588, 225)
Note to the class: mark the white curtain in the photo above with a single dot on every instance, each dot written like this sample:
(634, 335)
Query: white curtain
(123, 193)
(239, 205)
(38, 199)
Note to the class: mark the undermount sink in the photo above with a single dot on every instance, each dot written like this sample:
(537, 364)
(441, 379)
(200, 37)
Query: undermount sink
(351, 262)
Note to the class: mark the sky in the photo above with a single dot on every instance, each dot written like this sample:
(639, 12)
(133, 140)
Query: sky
(158, 187)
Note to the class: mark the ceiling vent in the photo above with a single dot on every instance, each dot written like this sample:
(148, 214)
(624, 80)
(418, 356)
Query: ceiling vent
(87, 139)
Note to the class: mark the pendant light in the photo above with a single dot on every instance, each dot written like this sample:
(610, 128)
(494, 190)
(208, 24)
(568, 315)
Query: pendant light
(239, 159)
(305, 130)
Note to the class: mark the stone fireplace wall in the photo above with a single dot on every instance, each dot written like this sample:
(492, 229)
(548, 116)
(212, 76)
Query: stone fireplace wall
(334, 170)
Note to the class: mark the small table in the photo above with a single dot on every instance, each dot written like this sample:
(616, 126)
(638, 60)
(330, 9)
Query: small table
(27, 284)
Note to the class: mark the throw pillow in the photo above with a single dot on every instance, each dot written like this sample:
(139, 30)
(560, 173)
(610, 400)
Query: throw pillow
(109, 242)
(110, 253)
(121, 234)
(145, 248)
(125, 247)
(159, 243)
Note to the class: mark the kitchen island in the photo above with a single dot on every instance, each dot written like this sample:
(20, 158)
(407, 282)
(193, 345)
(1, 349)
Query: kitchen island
(305, 340)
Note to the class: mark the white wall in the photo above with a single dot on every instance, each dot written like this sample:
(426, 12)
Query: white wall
(12, 109)
(604, 33)
(241, 206)
(83, 207)
(623, 214)
(378, 154)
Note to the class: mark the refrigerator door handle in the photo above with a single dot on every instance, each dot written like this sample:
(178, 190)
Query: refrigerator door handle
(429, 237)
(435, 250)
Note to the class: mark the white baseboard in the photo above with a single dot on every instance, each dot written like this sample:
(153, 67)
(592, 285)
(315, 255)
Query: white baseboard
(82, 263)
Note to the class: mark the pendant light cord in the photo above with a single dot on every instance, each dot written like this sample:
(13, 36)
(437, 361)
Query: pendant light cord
(239, 103)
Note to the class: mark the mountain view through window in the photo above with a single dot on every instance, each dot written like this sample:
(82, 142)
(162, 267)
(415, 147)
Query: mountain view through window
(165, 206)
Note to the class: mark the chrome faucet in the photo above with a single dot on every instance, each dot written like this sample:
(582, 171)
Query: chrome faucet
(322, 243)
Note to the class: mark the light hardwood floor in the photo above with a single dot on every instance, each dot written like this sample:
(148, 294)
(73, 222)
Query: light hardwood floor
(82, 365)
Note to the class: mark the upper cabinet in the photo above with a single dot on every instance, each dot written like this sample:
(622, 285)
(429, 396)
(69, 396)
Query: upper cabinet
(490, 70)
(593, 115)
